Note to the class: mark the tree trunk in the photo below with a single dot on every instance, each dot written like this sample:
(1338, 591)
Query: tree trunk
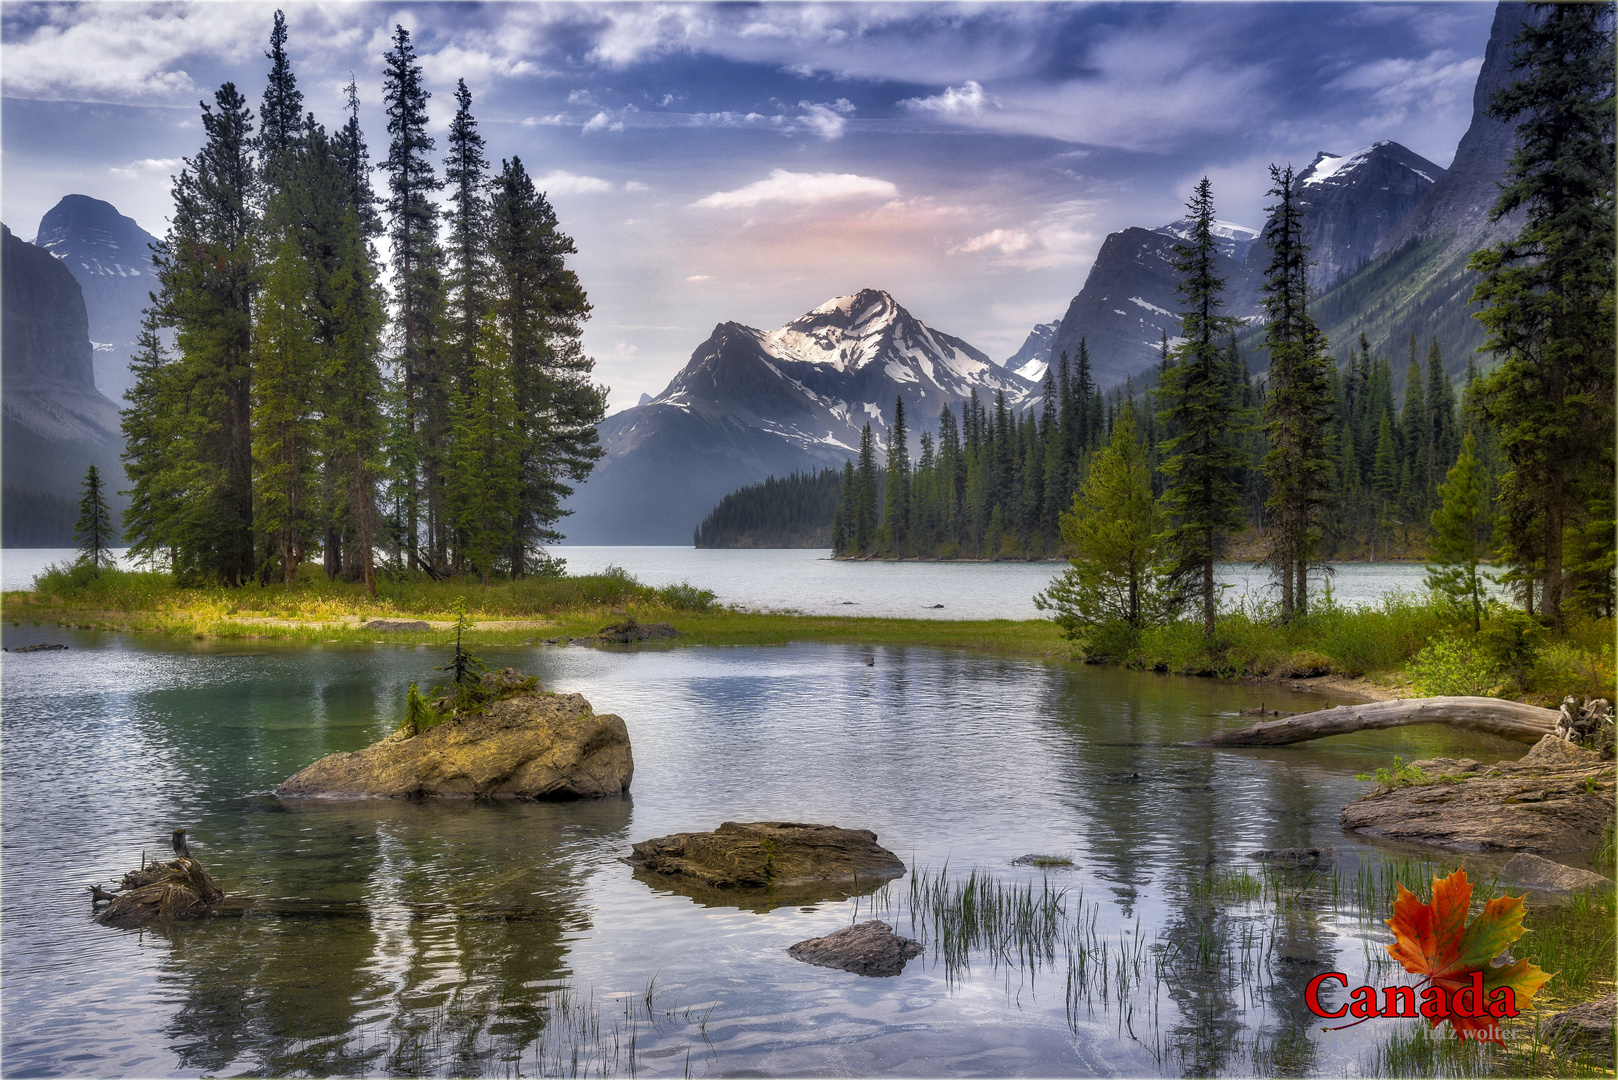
(1510, 719)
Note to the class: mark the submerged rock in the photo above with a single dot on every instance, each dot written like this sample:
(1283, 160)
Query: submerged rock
(1584, 1031)
(1556, 799)
(1538, 873)
(530, 745)
(869, 948)
(766, 862)
(1292, 856)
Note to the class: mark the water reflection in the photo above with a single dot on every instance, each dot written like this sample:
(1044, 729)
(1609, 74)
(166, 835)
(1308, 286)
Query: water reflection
(468, 918)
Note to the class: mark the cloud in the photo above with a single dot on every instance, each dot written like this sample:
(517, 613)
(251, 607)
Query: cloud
(602, 121)
(625, 349)
(827, 121)
(800, 188)
(560, 182)
(700, 277)
(580, 97)
(136, 169)
(635, 185)
(967, 100)
(1007, 241)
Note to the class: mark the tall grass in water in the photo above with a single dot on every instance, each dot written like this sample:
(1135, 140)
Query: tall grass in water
(1019, 924)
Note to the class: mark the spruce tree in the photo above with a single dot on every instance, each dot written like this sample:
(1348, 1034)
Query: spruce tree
(464, 175)
(423, 391)
(1461, 532)
(542, 306)
(155, 428)
(896, 485)
(1442, 435)
(93, 533)
(1115, 580)
(207, 268)
(285, 442)
(280, 115)
(842, 531)
(1547, 295)
(865, 506)
(1199, 403)
(1415, 426)
(483, 479)
(1298, 408)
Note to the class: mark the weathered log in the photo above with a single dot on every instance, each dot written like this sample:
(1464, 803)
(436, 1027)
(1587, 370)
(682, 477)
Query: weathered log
(1511, 719)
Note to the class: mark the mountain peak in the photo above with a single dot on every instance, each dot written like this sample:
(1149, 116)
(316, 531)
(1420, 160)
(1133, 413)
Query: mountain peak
(1336, 169)
(851, 331)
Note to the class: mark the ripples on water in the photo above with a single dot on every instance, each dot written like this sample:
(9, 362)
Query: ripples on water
(955, 760)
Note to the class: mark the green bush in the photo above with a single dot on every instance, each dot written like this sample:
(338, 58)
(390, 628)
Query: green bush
(1453, 665)
(687, 597)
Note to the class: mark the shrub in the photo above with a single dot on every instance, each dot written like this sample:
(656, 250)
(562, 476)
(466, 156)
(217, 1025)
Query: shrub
(687, 597)
(1452, 665)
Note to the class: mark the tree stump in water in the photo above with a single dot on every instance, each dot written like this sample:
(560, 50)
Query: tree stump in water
(162, 893)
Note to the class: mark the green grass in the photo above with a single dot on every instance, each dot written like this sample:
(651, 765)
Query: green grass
(315, 610)
(1378, 642)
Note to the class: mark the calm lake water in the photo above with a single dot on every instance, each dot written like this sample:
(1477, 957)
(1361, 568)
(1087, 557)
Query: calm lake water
(812, 582)
(955, 760)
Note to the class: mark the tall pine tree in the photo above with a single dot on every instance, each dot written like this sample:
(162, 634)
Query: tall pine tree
(1199, 402)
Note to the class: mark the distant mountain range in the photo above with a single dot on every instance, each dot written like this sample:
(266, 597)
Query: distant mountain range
(1130, 300)
(753, 403)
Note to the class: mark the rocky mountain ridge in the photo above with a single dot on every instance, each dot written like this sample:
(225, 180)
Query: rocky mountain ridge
(752, 403)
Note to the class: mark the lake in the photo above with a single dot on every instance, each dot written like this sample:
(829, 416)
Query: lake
(808, 580)
(958, 762)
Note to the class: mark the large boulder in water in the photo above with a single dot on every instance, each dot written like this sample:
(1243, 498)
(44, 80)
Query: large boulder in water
(766, 863)
(1556, 799)
(529, 745)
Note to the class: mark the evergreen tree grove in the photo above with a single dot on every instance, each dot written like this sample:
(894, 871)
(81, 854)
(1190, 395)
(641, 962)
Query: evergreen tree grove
(1462, 529)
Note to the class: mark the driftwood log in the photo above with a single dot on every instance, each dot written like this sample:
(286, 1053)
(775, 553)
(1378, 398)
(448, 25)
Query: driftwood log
(1511, 719)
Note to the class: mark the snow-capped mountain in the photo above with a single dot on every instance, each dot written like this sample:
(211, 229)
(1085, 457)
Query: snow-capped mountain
(752, 403)
(1033, 359)
(1234, 241)
(1350, 201)
(1130, 300)
(110, 257)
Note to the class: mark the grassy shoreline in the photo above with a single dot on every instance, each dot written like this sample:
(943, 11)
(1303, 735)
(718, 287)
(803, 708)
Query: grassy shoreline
(1365, 650)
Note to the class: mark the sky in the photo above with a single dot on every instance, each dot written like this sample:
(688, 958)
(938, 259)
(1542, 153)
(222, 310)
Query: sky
(746, 162)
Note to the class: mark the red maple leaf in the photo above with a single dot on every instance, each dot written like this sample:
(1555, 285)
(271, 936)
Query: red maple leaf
(1436, 941)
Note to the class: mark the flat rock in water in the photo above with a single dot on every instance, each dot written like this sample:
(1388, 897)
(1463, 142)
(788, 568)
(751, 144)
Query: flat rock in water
(766, 862)
(869, 948)
(41, 647)
(1556, 799)
(1292, 856)
(1538, 873)
(398, 626)
(1584, 1031)
(533, 745)
(1045, 862)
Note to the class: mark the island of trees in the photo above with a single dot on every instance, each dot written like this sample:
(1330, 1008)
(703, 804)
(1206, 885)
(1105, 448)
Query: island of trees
(290, 407)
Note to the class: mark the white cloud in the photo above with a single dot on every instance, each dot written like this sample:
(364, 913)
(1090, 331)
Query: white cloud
(601, 121)
(580, 97)
(635, 185)
(801, 188)
(559, 182)
(623, 348)
(700, 277)
(824, 120)
(967, 100)
(1006, 241)
(136, 169)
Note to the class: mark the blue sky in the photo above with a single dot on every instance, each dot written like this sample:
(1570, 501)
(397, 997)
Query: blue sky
(748, 161)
